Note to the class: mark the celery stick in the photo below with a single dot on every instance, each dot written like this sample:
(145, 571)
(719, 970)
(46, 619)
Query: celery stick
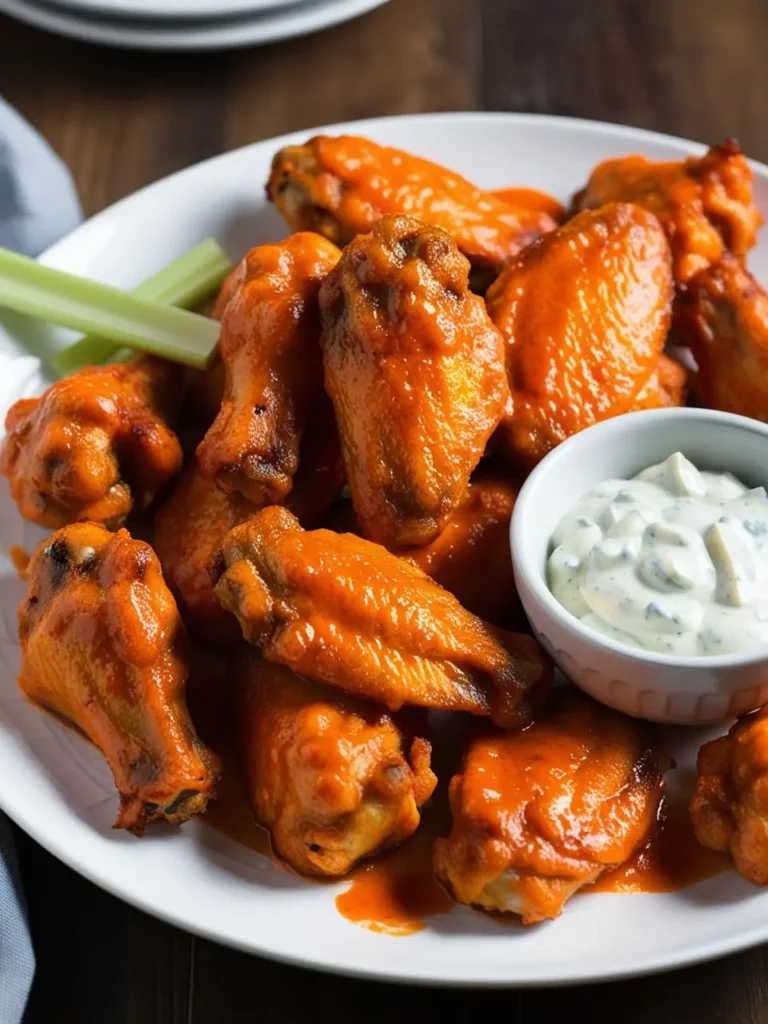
(30, 288)
(185, 282)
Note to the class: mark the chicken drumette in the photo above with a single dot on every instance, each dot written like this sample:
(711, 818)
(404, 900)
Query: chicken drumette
(705, 204)
(585, 313)
(723, 318)
(415, 370)
(341, 187)
(729, 809)
(103, 646)
(334, 778)
(345, 611)
(96, 445)
(540, 813)
(273, 367)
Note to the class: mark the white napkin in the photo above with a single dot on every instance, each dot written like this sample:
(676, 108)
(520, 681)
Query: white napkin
(38, 204)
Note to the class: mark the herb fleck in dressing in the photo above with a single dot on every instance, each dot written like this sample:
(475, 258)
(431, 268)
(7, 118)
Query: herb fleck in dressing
(675, 560)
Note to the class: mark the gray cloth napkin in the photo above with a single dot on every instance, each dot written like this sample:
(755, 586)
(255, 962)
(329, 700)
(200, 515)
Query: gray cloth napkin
(38, 204)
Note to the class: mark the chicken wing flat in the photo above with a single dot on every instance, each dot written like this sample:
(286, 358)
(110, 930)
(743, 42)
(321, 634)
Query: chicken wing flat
(340, 187)
(334, 778)
(415, 370)
(705, 204)
(723, 318)
(471, 556)
(270, 349)
(95, 445)
(729, 809)
(103, 646)
(540, 813)
(342, 610)
(584, 312)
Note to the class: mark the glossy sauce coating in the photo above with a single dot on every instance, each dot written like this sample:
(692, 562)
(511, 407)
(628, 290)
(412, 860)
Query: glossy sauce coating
(532, 199)
(104, 647)
(269, 346)
(471, 556)
(584, 312)
(671, 859)
(415, 369)
(341, 187)
(730, 806)
(723, 318)
(705, 204)
(340, 609)
(334, 778)
(540, 813)
(96, 445)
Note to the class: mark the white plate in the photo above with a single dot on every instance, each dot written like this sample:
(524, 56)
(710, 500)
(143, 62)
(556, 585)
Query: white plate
(267, 27)
(57, 787)
(132, 9)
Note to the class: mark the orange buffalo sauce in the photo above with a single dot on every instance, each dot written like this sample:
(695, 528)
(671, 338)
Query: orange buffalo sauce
(397, 891)
(671, 859)
(532, 199)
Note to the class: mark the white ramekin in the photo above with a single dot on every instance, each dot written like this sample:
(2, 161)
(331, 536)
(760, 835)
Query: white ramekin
(659, 687)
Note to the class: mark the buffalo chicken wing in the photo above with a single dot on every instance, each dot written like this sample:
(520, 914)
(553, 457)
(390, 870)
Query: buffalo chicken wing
(540, 813)
(341, 187)
(96, 445)
(415, 370)
(334, 778)
(270, 349)
(730, 806)
(345, 611)
(584, 313)
(723, 319)
(103, 647)
(705, 204)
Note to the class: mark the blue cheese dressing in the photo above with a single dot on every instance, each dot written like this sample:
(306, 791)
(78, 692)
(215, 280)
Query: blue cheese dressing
(674, 560)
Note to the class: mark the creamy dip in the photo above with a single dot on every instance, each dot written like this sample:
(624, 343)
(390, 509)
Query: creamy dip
(674, 560)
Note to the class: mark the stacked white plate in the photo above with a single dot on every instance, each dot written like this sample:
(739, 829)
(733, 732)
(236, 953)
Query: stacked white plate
(184, 24)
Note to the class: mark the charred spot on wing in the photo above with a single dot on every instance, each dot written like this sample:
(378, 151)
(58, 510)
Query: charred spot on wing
(60, 559)
(53, 463)
(143, 562)
(178, 802)
(217, 567)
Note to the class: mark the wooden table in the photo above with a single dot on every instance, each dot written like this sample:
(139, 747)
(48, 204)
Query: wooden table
(691, 67)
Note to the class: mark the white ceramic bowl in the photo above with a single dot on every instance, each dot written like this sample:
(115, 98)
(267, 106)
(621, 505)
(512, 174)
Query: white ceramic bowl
(659, 687)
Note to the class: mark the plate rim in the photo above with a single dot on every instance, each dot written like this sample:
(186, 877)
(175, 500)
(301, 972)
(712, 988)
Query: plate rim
(232, 33)
(653, 963)
(147, 9)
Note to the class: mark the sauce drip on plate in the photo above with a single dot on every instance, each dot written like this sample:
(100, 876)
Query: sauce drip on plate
(532, 199)
(672, 858)
(396, 892)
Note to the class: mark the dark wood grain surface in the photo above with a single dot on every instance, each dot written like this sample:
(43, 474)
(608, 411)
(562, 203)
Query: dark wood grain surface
(690, 67)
